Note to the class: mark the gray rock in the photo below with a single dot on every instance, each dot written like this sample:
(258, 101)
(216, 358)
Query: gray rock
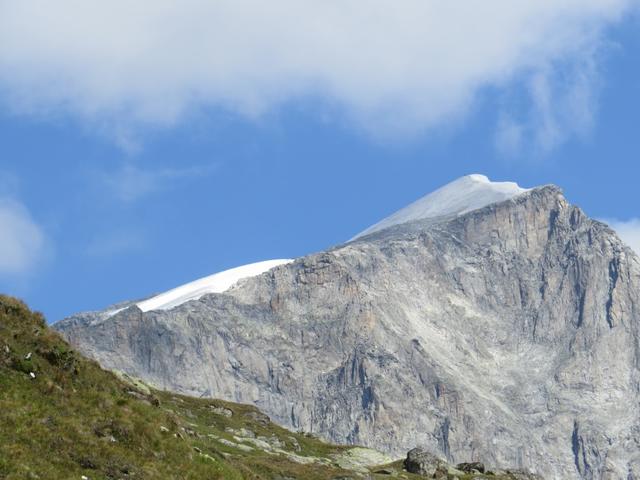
(523, 475)
(509, 334)
(259, 418)
(274, 441)
(225, 412)
(294, 443)
(471, 467)
(423, 462)
(245, 432)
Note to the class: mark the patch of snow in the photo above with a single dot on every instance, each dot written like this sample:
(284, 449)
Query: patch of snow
(456, 198)
(111, 313)
(216, 283)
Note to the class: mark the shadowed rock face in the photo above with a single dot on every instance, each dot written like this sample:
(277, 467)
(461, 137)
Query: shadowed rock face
(508, 335)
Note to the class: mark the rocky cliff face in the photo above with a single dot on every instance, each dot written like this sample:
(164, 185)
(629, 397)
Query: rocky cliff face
(508, 335)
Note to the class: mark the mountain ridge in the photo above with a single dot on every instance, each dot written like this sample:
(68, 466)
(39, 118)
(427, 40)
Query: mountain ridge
(150, 303)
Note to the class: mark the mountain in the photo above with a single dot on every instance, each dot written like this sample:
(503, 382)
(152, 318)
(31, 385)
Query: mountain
(484, 322)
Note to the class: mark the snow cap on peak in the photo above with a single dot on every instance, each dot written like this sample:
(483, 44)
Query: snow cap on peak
(478, 177)
(463, 195)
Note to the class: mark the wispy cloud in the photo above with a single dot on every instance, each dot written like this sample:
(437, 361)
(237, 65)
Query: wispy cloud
(629, 231)
(116, 243)
(561, 103)
(390, 66)
(130, 182)
(22, 240)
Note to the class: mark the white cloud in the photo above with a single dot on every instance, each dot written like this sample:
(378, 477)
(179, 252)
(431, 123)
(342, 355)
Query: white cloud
(392, 65)
(562, 103)
(22, 241)
(130, 182)
(629, 231)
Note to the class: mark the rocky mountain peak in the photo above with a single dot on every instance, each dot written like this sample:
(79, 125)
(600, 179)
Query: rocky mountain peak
(504, 331)
(463, 195)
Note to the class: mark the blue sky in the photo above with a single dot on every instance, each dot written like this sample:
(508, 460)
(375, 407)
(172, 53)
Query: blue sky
(145, 146)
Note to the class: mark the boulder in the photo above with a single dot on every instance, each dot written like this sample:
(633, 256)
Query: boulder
(225, 412)
(423, 462)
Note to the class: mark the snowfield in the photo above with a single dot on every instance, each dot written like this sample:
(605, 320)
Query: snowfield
(216, 283)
